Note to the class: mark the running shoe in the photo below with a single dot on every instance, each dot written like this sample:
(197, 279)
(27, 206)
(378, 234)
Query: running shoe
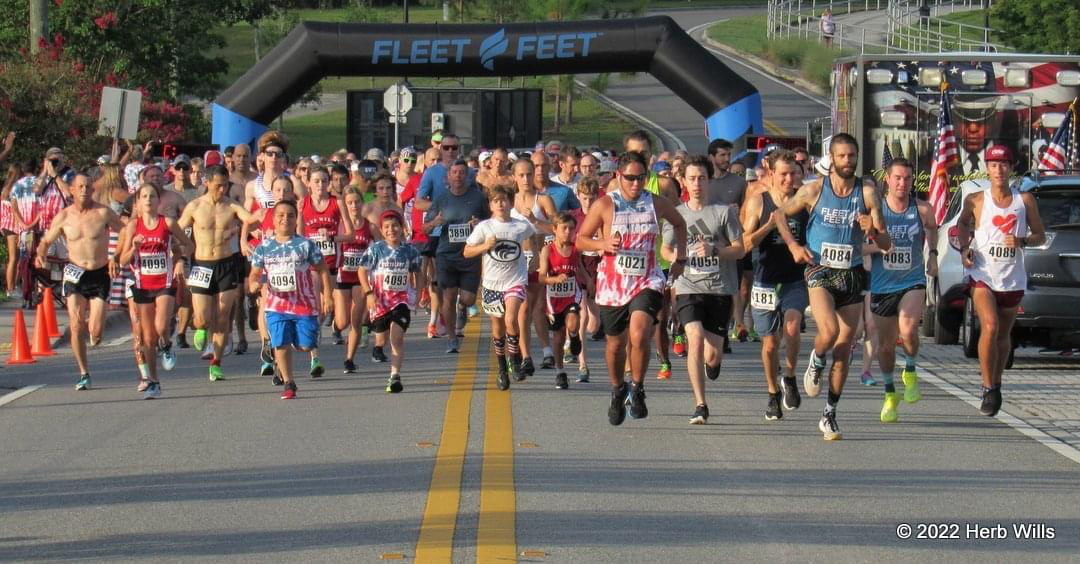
(911, 386)
(143, 385)
(678, 346)
(789, 393)
(181, 341)
(83, 383)
(452, 346)
(548, 363)
(812, 379)
(867, 379)
(773, 411)
(754, 336)
(350, 367)
(616, 412)
(561, 382)
(527, 368)
(207, 352)
(216, 373)
(289, 392)
(267, 369)
(583, 374)
(502, 380)
(888, 408)
(740, 334)
(665, 371)
(377, 354)
(317, 368)
(153, 390)
(473, 311)
(515, 367)
(241, 347)
(638, 409)
(277, 381)
(228, 349)
(338, 338)
(267, 354)
(568, 357)
(712, 373)
(828, 427)
(200, 339)
(991, 401)
(575, 345)
(168, 358)
(393, 385)
(701, 415)
(432, 333)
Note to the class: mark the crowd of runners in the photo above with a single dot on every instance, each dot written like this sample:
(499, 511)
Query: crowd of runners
(645, 252)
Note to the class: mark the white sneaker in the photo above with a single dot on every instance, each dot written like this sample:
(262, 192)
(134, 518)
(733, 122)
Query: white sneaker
(168, 359)
(812, 380)
(228, 346)
(208, 350)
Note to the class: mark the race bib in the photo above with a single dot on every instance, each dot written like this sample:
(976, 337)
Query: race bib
(631, 263)
(566, 289)
(152, 264)
(493, 302)
(458, 232)
(73, 273)
(395, 280)
(189, 231)
(528, 256)
(997, 252)
(326, 245)
(703, 265)
(350, 259)
(763, 298)
(200, 277)
(549, 238)
(282, 277)
(836, 256)
(898, 258)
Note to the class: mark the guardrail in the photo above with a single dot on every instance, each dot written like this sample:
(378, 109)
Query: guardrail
(910, 28)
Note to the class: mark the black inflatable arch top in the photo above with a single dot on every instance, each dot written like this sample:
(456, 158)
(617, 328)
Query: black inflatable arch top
(657, 45)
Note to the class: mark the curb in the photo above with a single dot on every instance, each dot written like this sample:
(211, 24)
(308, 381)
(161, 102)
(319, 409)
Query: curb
(766, 66)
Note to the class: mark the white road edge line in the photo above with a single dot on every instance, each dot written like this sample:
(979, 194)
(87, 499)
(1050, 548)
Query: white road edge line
(648, 122)
(691, 31)
(12, 396)
(1054, 444)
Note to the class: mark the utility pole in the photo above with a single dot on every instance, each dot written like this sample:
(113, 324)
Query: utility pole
(39, 23)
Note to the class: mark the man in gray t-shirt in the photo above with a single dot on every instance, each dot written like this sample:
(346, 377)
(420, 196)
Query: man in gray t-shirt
(703, 294)
(726, 189)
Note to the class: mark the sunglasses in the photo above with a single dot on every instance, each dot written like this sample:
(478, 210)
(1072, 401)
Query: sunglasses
(182, 167)
(274, 154)
(631, 178)
(409, 161)
(450, 147)
(302, 168)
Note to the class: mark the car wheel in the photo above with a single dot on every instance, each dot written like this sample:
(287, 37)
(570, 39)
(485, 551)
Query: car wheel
(969, 330)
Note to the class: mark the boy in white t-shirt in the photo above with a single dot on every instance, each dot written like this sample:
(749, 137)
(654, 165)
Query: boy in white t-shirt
(502, 241)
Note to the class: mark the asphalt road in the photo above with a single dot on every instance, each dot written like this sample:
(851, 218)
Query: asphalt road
(454, 470)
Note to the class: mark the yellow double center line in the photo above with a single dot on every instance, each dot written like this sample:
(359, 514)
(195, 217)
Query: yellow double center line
(495, 535)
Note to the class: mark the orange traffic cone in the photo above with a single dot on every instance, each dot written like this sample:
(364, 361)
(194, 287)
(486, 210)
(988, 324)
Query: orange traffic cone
(42, 347)
(20, 346)
(50, 313)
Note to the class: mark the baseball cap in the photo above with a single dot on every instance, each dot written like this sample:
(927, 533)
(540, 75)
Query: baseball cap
(103, 159)
(375, 154)
(391, 213)
(53, 151)
(553, 147)
(822, 167)
(539, 146)
(998, 152)
(661, 165)
(485, 155)
(182, 159)
(407, 153)
(213, 158)
(436, 137)
(770, 148)
(609, 165)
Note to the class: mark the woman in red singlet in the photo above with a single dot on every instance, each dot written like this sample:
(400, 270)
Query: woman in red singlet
(147, 245)
(349, 301)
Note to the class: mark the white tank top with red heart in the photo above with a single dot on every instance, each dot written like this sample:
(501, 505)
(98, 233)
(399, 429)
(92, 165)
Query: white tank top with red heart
(1000, 267)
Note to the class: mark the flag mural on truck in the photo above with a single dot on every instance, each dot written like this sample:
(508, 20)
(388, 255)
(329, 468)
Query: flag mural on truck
(1060, 155)
(944, 157)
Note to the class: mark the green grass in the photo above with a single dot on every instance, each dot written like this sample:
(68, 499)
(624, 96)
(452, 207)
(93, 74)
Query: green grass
(594, 125)
(809, 57)
(974, 17)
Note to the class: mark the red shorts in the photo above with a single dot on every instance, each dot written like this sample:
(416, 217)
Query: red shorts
(1004, 300)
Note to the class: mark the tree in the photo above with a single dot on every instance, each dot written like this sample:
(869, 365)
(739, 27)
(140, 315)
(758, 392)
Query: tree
(1038, 26)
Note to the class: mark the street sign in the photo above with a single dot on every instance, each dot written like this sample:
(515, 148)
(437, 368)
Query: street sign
(119, 115)
(397, 99)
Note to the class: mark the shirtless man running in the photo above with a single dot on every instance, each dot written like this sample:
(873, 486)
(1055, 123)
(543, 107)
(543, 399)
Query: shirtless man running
(213, 279)
(85, 226)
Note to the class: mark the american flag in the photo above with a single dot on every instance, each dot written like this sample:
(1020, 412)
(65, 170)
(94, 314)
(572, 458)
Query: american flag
(886, 156)
(1061, 154)
(944, 157)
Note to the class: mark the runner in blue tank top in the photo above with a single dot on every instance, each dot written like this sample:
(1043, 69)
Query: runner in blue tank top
(844, 210)
(898, 281)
